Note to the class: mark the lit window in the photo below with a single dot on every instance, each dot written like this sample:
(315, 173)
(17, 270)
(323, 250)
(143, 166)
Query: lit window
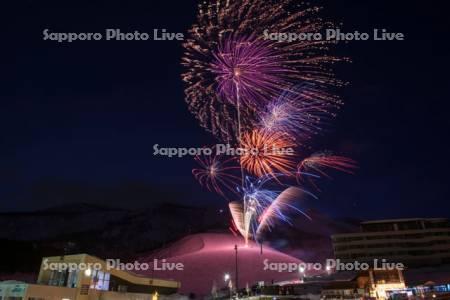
(100, 281)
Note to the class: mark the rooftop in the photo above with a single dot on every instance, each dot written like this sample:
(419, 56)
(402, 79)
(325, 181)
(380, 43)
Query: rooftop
(403, 220)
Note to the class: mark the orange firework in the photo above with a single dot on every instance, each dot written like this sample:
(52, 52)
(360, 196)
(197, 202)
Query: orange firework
(317, 162)
(267, 153)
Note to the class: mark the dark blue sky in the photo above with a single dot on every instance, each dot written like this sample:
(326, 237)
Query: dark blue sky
(79, 120)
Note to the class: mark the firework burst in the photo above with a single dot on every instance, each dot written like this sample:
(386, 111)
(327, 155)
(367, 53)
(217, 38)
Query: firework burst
(267, 153)
(249, 70)
(277, 210)
(318, 162)
(237, 214)
(301, 112)
(264, 95)
(263, 204)
(217, 173)
(228, 35)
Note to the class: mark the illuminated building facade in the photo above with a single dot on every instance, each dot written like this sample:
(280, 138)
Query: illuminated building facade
(369, 284)
(91, 283)
(412, 242)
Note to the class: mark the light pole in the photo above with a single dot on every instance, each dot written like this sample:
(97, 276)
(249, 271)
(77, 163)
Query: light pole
(236, 279)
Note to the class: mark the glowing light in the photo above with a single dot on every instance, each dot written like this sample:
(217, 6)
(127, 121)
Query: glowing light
(265, 96)
(318, 162)
(237, 213)
(267, 153)
(262, 205)
(222, 57)
(216, 173)
(249, 69)
(279, 207)
(88, 272)
(299, 111)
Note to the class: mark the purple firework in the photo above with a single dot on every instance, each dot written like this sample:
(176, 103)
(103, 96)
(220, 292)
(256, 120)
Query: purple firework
(229, 57)
(249, 70)
(300, 111)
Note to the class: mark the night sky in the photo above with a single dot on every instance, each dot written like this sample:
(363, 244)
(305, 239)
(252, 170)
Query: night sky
(79, 120)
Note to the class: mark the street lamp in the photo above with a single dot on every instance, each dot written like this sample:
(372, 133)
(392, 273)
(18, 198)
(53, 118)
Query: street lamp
(301, 270)
(226, 278)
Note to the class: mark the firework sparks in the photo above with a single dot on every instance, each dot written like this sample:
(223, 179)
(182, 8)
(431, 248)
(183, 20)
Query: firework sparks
(263, 95)
(248, 70)
(277, 209)
(231, 34)
(257, 196)
(237, 213)
(300, 111)
(262, 205)
(267, 153)
(318, 162)
(217, 174)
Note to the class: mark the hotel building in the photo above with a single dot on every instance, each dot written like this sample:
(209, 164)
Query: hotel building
(413, 242)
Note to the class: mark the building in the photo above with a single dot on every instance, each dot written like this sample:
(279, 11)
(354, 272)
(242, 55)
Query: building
(369, 284)
(92, 279)
(342, 290)
(374, 284)
(15, 290)
(412, 242)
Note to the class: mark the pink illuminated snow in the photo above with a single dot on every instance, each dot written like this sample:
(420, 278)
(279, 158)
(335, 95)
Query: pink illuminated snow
(206, 258)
